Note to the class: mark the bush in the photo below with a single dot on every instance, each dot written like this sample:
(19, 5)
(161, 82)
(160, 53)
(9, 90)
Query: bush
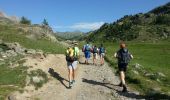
(24, 20)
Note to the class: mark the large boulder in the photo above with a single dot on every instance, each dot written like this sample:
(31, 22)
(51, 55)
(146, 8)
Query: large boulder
(16, 47)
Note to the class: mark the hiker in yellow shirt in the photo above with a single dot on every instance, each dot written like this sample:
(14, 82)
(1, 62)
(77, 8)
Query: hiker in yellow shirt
(72, 60)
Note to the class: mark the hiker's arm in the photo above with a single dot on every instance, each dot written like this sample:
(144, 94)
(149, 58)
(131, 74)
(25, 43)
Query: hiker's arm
(115, 55)
(131, 56)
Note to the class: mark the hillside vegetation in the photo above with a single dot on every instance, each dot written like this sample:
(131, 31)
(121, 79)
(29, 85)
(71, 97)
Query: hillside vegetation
(147, 37)
(151, 26)
(75, 35)
(29, 36)
(16, 41)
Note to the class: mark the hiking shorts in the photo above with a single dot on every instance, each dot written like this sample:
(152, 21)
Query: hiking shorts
(122, 67)
(87, 55)
(72, 65)
(102, 55)
(95, 55)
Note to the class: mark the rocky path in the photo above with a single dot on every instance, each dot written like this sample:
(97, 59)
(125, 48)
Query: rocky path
(92, 82)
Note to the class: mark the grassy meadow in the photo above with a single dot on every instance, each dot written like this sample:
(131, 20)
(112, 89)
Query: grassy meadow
(153, 57)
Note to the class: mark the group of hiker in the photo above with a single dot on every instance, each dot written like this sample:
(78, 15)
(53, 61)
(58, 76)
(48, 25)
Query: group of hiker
(88, 49)
(72, 56)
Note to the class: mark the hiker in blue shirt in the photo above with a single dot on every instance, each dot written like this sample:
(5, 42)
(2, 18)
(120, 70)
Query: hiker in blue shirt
(102, 52)
(87, 51)
(123, 56)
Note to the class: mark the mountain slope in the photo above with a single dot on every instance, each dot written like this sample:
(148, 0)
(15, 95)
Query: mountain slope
(76, 35)
(30, 36)
(154, 25)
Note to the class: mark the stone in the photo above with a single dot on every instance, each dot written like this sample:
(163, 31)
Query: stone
(37, 79)
(16, 47)
(11, 53)
(137, 66)
(160, 74)
(135, 72)
(148, 74)
(11, 97)
(30, 51)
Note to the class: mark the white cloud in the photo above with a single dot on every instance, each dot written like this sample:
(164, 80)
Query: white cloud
(82, 26)
(87, 26)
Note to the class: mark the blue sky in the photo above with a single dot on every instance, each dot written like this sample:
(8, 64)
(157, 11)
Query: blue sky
(71, 15)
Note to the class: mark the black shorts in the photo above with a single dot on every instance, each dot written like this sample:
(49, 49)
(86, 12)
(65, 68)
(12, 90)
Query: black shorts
(122, 67)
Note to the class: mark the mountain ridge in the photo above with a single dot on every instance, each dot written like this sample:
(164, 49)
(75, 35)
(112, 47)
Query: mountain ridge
(151, 26)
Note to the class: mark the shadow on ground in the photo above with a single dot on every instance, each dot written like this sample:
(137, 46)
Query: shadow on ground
(111, 86)
(96, 83)
(130, 95)
(157, 96)
(85, 63)
(58, 77)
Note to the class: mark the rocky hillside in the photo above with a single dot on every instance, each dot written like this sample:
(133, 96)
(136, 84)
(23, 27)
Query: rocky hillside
(35, 31)
(76, 35)
(152, 26)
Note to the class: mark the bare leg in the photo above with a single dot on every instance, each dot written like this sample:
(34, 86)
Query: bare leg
(73, 74)
(122, 77)
(95, 61)
(101, 60)
(70, 75)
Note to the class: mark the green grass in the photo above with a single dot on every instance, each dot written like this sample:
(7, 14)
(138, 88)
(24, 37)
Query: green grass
(11, 79)
(154, 57)
(10, 34)
(38, 73)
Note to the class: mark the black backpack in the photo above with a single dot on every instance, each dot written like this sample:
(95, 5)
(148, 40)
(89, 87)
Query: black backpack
(102, 50)
(123, 56)
(95, 50)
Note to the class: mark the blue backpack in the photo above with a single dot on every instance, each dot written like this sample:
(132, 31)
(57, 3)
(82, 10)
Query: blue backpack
(87, 47)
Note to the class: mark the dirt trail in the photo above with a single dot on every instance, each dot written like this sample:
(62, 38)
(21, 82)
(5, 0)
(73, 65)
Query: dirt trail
(92, 82)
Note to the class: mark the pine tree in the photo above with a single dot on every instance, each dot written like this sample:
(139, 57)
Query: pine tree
(45, 22)
(24, 20)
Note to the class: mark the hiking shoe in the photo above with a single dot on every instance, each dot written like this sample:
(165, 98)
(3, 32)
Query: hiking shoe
(124, 88)
(73, 81)
(70, 84)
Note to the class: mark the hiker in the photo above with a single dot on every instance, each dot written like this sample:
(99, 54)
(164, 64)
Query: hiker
(123, 56)
(95, 52)
(76, 52)
(72, 60)
(102, 52)
(87, 51)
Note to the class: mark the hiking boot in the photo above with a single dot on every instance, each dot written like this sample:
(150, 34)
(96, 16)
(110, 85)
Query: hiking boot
(70, 84)
(73, 81)
(124, 88)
